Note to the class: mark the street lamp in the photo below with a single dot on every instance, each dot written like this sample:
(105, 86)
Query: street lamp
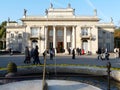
(108, 71)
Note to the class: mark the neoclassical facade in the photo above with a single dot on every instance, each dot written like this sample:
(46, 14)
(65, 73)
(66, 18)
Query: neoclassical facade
(60, 29)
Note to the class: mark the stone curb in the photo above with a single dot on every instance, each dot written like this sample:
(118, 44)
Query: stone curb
(68, 69)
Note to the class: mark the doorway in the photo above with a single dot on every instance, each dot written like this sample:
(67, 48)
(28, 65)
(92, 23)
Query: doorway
(60, 48)
(85, 45)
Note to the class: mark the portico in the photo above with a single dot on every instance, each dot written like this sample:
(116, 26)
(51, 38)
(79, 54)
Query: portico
(60, 37)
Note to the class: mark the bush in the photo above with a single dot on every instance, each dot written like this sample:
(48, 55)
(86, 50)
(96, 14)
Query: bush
(11, 67)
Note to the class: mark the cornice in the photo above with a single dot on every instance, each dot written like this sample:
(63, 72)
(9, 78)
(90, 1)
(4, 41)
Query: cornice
(17, 26)
(73, 18)
(106, 25)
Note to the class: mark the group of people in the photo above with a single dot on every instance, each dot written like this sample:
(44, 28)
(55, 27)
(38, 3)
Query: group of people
(117, 53)
(78, 51)
(34, 54)
(103, 54)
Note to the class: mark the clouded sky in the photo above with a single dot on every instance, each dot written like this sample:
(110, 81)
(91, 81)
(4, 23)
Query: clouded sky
(105, 8)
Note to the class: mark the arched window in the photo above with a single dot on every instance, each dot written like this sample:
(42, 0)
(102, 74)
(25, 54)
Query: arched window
(12, 35)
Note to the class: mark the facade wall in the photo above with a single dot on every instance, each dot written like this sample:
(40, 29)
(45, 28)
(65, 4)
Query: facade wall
(78, 32)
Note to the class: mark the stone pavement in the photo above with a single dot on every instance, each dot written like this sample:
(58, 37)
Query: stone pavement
(53, 85)
(62, 59)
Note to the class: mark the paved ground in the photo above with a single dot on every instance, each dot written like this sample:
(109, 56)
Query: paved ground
(62, 59)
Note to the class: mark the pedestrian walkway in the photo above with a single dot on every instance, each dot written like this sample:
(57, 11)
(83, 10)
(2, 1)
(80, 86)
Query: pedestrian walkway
(62, 59)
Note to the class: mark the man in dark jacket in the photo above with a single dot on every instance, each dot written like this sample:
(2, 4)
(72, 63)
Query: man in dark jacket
(36, 56)
(99, 53)
(73, 54)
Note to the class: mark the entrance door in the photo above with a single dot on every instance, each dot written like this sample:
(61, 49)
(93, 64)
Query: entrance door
(60, 48)
(85, 46)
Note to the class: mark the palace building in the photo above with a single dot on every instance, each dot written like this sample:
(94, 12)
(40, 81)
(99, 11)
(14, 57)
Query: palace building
(60, 29)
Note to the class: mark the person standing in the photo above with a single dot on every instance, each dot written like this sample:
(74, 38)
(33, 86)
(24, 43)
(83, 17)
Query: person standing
(51, 54)
(32, 53)
(36, 56)
(99, 53)
(119, 52)
(115, 53)
(27, 55)
(107, 54)
(69, 50)
(73, 54)
(78, 51)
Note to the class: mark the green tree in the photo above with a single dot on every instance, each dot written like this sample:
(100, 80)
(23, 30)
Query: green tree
(2, 33)
(117, 33)
(117, 37)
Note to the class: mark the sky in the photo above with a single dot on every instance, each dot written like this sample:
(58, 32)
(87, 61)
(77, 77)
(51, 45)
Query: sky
(105, 8)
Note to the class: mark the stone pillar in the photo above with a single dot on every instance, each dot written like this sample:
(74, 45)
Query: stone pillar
(80, 37)
(65, 41)
(73, 37)
(39, 41)
(54, 38)
(46, 35)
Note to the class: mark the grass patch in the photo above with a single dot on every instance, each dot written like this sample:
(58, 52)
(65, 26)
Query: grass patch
(64, 65)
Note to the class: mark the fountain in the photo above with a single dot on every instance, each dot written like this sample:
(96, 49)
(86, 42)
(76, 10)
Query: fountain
(53, 84)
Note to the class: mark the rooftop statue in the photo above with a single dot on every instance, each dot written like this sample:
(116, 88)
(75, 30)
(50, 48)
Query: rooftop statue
(111, 20)
(95, 12)
(25, 11)
(51, 5)
(8, 19)
(46, 11)
(69, 5)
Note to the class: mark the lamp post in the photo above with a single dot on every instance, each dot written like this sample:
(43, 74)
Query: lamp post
(108, 71)
(44, 83)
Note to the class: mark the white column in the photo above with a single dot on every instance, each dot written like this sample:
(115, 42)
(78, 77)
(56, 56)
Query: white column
(65, 46)
(46, 31)
(54, 38)
(73, 37)
(80, 37)
(39, 41)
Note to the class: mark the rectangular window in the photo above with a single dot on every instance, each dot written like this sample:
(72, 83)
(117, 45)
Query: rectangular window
(51, 33)
(100, 45)
(108, 35)
(108, 46)
(84, 32)
(35, 32)
(51, 45)
(68, 44)
(12, 35)
(60, 33)
(100, 34)
(19, 36)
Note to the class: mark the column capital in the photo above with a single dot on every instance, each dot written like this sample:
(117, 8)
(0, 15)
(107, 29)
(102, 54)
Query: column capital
(46, 26)
(74, 26)
(54, 25)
